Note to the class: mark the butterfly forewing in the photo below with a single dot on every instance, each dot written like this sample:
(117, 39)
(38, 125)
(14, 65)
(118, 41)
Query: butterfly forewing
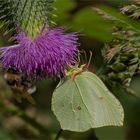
(107, 108)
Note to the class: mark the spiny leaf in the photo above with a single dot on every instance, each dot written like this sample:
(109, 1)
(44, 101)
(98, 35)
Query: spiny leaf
(122, 57)
(117, 18)
(133, 10)
(122, 53)
(6, 17)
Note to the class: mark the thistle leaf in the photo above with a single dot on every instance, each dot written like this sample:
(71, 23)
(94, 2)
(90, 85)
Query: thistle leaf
(118, 19)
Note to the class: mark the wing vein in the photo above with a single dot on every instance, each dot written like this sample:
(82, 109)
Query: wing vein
(79, 91)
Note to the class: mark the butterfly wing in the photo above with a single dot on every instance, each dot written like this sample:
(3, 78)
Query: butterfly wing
(86, 103)
(106, 108)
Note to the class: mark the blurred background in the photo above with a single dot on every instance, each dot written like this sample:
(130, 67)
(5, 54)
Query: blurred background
(23, 121)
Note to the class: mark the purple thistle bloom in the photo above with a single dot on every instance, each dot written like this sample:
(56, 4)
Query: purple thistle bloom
(48, 54)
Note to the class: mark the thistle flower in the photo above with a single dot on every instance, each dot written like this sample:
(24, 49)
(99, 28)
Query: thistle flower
(49, 54)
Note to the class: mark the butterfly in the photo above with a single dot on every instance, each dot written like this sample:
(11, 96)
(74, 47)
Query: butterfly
(83, 102)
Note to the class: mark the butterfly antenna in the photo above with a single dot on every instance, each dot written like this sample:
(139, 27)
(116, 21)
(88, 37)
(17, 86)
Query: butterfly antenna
(85, 54)
(89, 59)
(79, 57)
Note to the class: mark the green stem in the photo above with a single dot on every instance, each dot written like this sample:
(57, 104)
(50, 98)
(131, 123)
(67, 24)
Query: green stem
(58, 134)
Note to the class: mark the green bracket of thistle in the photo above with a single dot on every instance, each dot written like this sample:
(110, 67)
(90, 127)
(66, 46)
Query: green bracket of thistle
(28, 15)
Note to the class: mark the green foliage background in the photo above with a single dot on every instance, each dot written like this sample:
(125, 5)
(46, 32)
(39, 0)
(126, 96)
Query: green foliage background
(25, 121)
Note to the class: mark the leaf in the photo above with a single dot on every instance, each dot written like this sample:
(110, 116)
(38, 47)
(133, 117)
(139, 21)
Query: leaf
(85, 103)
(92, 25)
(118, 18)
(63, 8)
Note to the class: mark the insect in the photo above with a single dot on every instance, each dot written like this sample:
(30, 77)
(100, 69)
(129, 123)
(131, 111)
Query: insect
(22, 86)
(83, 102)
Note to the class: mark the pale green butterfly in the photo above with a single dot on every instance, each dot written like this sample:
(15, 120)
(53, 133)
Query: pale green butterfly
(83, 102)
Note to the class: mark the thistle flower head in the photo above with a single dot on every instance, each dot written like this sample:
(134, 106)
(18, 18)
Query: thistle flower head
(48, 54)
